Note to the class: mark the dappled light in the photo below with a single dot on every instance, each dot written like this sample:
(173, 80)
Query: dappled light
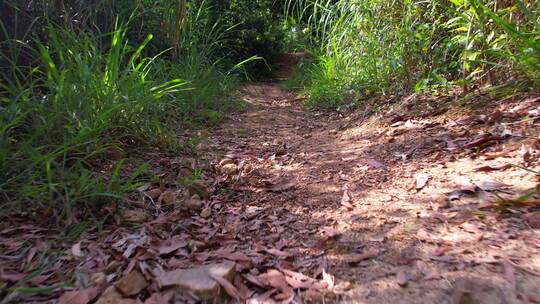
(296, 151)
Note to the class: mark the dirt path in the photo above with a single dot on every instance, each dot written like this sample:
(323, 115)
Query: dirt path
(415, 202)
(366, 204)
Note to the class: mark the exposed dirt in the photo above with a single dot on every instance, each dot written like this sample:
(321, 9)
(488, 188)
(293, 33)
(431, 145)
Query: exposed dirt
(401, 191)
(415, 202)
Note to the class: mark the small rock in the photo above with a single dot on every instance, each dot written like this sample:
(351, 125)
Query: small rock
(194, 203)
(198, 280)
(229, 169)
(206, 213)
(131, 284)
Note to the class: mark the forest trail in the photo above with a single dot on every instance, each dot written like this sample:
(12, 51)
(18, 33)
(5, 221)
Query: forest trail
(419, 201)
(374, 206)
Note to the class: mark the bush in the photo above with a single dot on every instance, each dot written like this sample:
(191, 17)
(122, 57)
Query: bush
(70, 101)
(385, 47)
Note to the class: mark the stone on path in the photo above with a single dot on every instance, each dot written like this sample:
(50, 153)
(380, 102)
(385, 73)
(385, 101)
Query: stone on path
(198, 280)
(131, 284)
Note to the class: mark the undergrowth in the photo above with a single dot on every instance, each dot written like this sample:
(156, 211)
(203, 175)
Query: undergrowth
(373, 48)
(73, 97)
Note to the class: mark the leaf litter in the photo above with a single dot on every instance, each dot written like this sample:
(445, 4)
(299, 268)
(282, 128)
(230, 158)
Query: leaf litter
(290, 231)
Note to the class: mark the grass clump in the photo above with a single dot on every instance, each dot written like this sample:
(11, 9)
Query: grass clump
(374, 48)
(75, 101)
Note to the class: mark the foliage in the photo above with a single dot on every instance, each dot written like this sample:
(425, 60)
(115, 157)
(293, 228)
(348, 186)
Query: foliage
(76, 92)
(259, 30)
(366, 48)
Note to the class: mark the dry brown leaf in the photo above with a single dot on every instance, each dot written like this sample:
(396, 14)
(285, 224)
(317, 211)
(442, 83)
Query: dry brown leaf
(131, 284)
(494, 155)
(167, 198)
(441, 250)
(402, 278)
(534, 298)
(509, 274)
(229, 288)
(278, 253)
(171, 245)
(492, 185)
(346, 199)
(533, 219)
(244, 291)
(488, 168)
(159, 298)
(82, 296)
(358, 257)
(282, 186)
(276, 279)
(375, 164)
(253, 279)
(482, 140)
(525, 153)
(421, 180)
(298, 280)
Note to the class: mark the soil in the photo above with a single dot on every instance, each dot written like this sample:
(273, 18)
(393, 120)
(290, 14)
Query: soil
(359, 176)
(425, 199)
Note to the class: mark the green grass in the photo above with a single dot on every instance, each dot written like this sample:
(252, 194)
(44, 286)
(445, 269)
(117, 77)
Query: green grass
(373, 48)
(88, 95)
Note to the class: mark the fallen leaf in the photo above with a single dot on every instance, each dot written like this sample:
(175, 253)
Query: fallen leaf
(77, 251)
(154, 193)
(421, 180)
(159, 298)
(167, 198)
(509, 274)
(346, 199)
(276, 279)
(492, 185)
(375, 164)
(281, 187)
(328, 279)
(229, 288)
(402, 278)
(525, 154)
(464, 184)
(441, 250)
(482, 140)
(488, 168)
(494, 155)
(82, 296)
(206, 212)
(534, 298)
(298, 280)
(171, 245)
(358, 257)
(533, 219)
(244, 291)
(278, 253)
(328, 234)
(131, 284)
